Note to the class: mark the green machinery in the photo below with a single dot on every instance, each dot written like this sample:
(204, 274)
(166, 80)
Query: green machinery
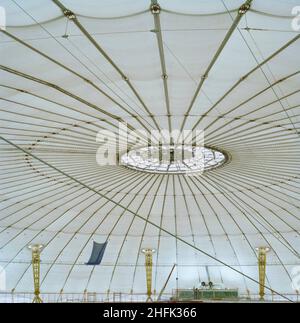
(206, 294)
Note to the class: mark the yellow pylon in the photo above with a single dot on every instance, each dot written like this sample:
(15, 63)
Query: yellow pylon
(148, 264)
(36, 261)
(262, 263)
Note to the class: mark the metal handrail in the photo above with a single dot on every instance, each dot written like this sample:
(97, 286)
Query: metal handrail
(118, 297)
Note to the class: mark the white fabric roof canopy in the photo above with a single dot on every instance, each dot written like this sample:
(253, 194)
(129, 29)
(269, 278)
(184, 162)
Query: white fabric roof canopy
(228, 212)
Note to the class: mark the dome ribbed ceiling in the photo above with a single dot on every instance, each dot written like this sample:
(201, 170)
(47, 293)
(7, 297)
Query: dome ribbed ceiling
(235, 76)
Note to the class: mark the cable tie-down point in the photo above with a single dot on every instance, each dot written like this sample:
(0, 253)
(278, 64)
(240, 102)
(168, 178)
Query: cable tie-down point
(69, 14)
(244, 8)
(155, 9)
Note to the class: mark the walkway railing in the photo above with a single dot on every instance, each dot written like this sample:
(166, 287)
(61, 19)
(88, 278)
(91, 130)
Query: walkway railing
(117, 297)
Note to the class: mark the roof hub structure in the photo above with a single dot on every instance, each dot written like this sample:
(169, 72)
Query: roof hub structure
(176, 159)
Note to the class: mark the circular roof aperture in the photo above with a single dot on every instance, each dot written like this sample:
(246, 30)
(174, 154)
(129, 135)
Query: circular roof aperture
(173, 159)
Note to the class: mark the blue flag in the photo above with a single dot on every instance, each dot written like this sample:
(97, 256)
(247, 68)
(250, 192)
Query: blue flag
(97, 254)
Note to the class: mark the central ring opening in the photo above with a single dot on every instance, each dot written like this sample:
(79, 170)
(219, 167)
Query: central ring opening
(180, 159)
